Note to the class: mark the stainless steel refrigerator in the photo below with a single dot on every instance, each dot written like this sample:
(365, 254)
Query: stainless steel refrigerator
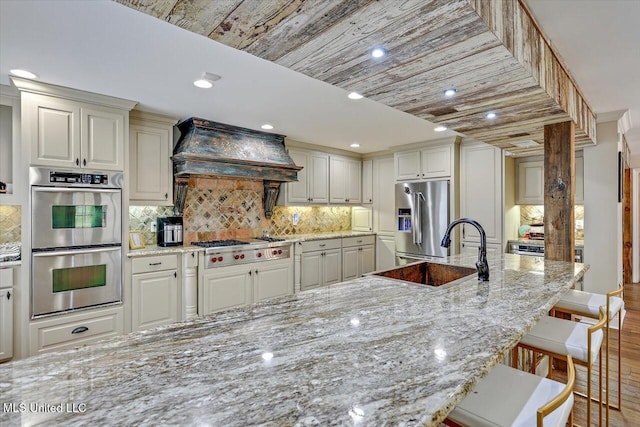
(422, 210)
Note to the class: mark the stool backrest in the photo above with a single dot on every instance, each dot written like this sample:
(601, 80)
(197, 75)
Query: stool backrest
(555, 403)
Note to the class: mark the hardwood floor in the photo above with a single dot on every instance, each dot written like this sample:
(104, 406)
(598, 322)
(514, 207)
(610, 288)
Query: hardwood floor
(630, 413)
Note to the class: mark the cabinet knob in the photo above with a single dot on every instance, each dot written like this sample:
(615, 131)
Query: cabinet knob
(8, 295)
(175, 274)
(370, 200)
(256, 272)
(250, 273)
(84, 162)
(166, 195)
(193, 254)
(418, 175)
(77, 161)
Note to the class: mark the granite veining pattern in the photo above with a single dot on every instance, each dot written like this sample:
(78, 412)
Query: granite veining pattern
(371, 351)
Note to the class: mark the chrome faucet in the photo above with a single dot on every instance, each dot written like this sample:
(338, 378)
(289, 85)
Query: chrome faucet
(481, 264)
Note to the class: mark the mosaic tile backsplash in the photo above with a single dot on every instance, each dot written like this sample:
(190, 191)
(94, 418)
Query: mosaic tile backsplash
(534, 214)
(10, 223)
(232, 209)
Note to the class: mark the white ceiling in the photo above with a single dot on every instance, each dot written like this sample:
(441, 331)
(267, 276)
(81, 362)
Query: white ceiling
(107, 48)
(599, 41)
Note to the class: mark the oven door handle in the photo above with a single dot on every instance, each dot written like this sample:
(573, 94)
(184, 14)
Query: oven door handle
(76, 251)
(75, 190)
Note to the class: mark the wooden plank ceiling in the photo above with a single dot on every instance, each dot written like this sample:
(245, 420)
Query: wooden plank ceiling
(491, 51)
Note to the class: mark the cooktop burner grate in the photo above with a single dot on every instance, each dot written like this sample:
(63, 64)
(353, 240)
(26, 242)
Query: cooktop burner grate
(270, 239)
(217, 243)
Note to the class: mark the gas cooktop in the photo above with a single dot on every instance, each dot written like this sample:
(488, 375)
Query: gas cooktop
(221, 253)
(218, 243)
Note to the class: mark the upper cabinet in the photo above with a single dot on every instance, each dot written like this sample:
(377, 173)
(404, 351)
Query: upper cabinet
(345, 180)
(530, 189)
(150, 168)
(10, 146)
(312, 186)
(435, 162)
(73, 129)
(367, 182)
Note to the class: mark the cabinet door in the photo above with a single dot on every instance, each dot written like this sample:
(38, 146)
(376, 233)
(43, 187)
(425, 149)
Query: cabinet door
(154, 299)
(53, 126)
(271, 281)
(436, 162)
(150, 164)
(579, 197)
(530, 183)
(319, 179)
(407, 166)
(361, 219)
(353, 184)
(332, 266)
(102, 138)
(311, 270)
(367, 182)
(384, 196)
(337, 181)
(6, 323)
(385, 252)
(228, 288)
(298, 192)
(481, 191)
(350, 263)
(471, 249)
(367, 259)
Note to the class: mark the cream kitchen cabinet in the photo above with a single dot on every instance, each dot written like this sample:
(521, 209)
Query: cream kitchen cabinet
(471, 249)
(384, 217)
(358, 256)
(150, 167)
(243, 285)
(190, 262)
(69, 128)
(345, 180)
(428, 163)
(481, 194)
(320, 263)
(11, 171)
(530, 188)
(75, 330)
(367, 182)
(6, 313)
(312, 186)
(154, 292)
(361, 219)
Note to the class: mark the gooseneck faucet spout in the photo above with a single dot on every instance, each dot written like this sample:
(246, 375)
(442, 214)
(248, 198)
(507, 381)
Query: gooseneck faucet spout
(481, 264)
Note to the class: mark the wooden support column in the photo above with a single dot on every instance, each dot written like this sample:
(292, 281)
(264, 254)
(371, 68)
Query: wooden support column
(559, 191)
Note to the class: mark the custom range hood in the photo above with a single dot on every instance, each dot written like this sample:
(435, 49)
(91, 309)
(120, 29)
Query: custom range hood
(208, 148)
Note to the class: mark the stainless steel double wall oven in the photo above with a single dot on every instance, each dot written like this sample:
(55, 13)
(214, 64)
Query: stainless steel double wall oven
(76, 240)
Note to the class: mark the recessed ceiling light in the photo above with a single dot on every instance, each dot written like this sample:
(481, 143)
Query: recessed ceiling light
(206, 81)
(267, 126)
(23, 73)
(354, 145)
(355, 95)
(491, 115)
(378, 52)
(440, 128)
(450, 92)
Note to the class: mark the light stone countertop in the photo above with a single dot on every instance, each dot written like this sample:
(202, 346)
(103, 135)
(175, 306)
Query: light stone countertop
(160, 250)
(325, 235)
(371, 351)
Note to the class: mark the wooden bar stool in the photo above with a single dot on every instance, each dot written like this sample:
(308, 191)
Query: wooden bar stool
(509, 397)
(557, 337)
(587, 304)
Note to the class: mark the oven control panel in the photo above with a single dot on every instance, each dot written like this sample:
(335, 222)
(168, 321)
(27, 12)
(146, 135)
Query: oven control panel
(78, 178)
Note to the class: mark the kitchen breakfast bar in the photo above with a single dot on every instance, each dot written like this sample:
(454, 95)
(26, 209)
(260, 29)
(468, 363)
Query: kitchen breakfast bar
(371, 351)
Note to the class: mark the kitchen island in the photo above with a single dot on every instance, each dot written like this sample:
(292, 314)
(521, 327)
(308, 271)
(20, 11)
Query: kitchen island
(370, 351)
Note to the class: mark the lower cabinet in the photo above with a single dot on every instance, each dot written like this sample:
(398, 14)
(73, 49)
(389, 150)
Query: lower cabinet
(74, 330)
(358, 256)
(154, 292)
(320, 263)
(237, 286)
(6, 313)
(471, 248)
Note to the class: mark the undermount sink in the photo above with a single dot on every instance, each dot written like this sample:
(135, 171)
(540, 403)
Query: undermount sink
(428, 273)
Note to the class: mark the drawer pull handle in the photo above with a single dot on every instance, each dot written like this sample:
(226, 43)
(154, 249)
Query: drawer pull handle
(323, 245)
(359, 241)
(155, 263)
(79, 330)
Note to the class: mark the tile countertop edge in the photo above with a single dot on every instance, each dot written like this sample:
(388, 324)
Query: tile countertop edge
(160, 250)
(444, 339)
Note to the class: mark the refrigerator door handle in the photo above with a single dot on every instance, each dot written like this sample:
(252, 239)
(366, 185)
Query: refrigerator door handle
(417, 203)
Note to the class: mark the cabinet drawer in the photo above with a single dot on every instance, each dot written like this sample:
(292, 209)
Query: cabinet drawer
(154, 263)
(358, 241)
(74, 330)
(191, 259)
(320, 245)
(6, 277)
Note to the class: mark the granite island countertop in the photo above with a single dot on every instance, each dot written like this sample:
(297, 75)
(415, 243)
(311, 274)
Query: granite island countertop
(370, 351)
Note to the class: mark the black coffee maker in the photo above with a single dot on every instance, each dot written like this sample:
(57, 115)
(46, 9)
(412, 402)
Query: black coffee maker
(170, 231)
